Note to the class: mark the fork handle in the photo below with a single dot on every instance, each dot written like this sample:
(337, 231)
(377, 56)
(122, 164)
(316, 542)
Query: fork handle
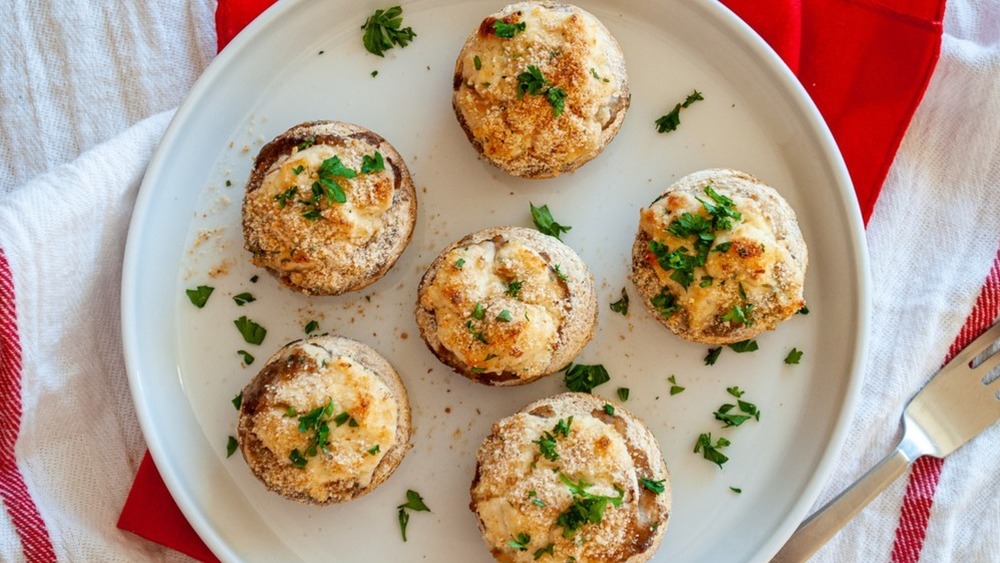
(816, 530)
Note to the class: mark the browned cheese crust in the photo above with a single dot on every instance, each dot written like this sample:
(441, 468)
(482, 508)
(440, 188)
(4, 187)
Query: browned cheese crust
(507, 305)
(365, 445)
(753, 274)
(519, 132)
(520, 491)
(310, 242)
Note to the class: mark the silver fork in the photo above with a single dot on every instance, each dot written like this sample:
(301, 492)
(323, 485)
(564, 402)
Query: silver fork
(958, 403)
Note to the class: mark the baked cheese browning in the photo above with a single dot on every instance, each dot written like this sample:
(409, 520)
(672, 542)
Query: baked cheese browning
(753, 269)
(572, 110)
(596, 470)
(329, 207)
(295, 230)
(363, 415)
(502, 310)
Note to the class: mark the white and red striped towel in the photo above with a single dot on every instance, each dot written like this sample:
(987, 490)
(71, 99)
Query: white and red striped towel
(69, 440)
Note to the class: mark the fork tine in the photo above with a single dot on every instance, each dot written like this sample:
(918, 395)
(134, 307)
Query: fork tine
(984, 369)
(978, 345)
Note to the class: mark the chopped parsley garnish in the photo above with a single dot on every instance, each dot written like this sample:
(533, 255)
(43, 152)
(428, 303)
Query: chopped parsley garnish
(547, 550)
(478, 313)
(545, 223)
(665, 303)
(597, 76)
(519, 542)
(298, 169)
(237, 400)
(711, 451)
(557, 99)
(713, 355)
(736, 490)
(373, 450)
(730, 418)
(804, 310)
(311, 326)
(562, 427)
(252, 332)
(504, 316)
(514, 288)
(284, 197)
(244, 298)
(308, 142)
(671, 120)
(228, 183)
(345, 418)
(583, 378)
(231, 446)
(199, 295)
(738, 314)
(621, 306)
(476, 62)
(547, 441)
(656, 486)
(623, 393)
(254, 278)
(532, 82)
(674, 388)
(459, 263)
(330, 169)
(586, 507)
(706, 281)
(532, 494)
(383, 29)
(413, 502)
(559, 274)
(744, 346)
(476, 334)
(298, 460)
(247, 358)
(609, 408)
(793, 357)
(315, 424)
(374, 73)
(508, 30)
(722, 247)
(721, 209)
(372, 163)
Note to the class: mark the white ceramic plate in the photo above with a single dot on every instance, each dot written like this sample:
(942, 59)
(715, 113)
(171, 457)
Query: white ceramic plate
(304, 60)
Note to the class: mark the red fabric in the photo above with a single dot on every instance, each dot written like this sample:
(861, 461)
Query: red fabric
(151, 512)
(915, 512)
(31, 531)
(866, 64)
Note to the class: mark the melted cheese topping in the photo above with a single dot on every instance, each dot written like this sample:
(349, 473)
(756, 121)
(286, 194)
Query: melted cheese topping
(571, 49)
(354, 390)
(523, 344)
(755, 260)
(520, 491)
(289, 241)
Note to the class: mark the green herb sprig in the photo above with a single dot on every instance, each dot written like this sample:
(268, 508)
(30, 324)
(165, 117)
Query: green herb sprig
(383, 30)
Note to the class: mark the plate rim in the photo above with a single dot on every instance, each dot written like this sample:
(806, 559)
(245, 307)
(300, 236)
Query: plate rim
(717, 11)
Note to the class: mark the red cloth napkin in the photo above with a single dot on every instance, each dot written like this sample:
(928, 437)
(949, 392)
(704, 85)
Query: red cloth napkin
(866, 64)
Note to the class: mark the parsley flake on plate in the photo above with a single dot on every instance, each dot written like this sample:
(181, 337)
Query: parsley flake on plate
(583, 378)
(671, 120)
(544, 222)
(413, 502)
(252, 332)
(383, 30)
(621, 306)
(793, 357)
(199, 295)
